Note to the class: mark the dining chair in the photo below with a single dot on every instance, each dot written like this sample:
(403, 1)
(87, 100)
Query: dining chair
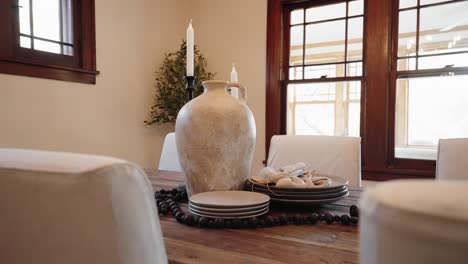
(169, 158)
(328, 155)
(452, 159)
(72, 208)
(414, 221)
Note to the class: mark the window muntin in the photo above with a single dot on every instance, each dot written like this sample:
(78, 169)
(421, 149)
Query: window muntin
(431, 76)
(325, 70)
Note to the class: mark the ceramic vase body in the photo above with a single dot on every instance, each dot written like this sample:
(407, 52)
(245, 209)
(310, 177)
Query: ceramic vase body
(215, 135)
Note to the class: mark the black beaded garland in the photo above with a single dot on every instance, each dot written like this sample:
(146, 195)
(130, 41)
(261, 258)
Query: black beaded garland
(167, 202)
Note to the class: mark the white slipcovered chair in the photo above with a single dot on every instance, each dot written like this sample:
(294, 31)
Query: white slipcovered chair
(71, 208)
(414, 221)
(169, 158)
(329, 155)
(452, 159)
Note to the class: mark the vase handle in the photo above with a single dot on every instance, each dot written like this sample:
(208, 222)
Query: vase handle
(242, 90)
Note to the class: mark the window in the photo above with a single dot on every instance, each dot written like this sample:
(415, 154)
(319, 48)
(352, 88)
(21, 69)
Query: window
(431, 76)
(48, 38)
(401, 90)
(323, 82)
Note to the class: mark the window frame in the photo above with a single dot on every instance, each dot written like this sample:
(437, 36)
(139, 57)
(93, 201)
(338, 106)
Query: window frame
(81, 67)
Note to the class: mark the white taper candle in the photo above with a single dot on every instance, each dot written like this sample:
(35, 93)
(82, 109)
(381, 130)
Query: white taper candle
(190, 49)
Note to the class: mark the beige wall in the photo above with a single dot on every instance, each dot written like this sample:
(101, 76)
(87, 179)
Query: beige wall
(132, 37)
(106, 118)
(235, 31)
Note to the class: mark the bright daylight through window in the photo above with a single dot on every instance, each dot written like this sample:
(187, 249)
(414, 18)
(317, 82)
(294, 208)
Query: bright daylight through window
(325, 69)
(46, 25)
(431, 80)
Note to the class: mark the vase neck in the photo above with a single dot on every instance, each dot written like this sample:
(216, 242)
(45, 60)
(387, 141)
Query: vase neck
(211, 86)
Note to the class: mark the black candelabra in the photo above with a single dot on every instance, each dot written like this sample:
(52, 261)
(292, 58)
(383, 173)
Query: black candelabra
(190, 86)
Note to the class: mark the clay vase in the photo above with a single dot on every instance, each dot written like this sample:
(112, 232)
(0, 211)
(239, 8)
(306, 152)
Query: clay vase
(215, 135)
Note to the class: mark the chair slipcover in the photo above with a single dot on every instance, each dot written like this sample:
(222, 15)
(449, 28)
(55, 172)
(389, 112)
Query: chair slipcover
(329, 155)
(71, 208)
(169, 158)
(452, 159)
(414, 221)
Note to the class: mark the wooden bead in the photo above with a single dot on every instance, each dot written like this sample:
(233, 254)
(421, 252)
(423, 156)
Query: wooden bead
(354, 210)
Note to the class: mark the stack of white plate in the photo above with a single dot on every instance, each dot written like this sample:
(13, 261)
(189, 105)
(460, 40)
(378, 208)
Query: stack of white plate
(229, 204)
(336, 191)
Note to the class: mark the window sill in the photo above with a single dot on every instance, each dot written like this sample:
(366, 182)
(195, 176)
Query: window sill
(416, 153)
(48, 71)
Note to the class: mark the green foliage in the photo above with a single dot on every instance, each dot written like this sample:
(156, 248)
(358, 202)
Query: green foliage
(170, 94)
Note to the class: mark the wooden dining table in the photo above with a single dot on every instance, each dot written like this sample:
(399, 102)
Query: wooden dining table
(319, 243)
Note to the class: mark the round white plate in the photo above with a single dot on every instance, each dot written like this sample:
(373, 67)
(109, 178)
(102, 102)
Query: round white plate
(309, 202)
(337, 182)
(305, 196)
(229, 216)
(229, 210)
(229, 199)
(264, 189)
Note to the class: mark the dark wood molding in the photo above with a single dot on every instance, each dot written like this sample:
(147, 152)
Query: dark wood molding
(377, 93)
(81, 67)
(48, 71)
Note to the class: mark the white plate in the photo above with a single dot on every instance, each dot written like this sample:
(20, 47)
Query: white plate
(229, 216)
(229, 199)
(228, 210)
(305, 196)
(264, 188)
(310, 202)
(337, 182)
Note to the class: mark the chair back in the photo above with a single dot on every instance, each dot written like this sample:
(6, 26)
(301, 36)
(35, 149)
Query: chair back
(414, 221)
(452, 159)
(169, 158)
(329, 155)
(71, 208)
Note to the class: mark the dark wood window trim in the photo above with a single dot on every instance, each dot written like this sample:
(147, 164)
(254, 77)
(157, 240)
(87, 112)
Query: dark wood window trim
(377, 103)
(81, 67)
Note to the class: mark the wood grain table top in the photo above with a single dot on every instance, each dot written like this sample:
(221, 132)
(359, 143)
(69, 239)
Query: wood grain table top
(319, 243)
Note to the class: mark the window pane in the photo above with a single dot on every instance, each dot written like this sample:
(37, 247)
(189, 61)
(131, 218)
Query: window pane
(429, 109)
(408, 64)
(435, 62)
(447, 34)
(25, 42)
(46, 46)
(354, 115)
(356, 8)
(407, 33)
(354, 69)
(325, 42)
(295, 73)
(355, 28)
(325, 71)
(323, 108)
(325, 12)
(46, 19)
(24, 22)
(297, 16)
(408, 3)
(297, 44)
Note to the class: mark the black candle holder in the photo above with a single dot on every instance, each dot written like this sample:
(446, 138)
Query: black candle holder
(190, 81)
